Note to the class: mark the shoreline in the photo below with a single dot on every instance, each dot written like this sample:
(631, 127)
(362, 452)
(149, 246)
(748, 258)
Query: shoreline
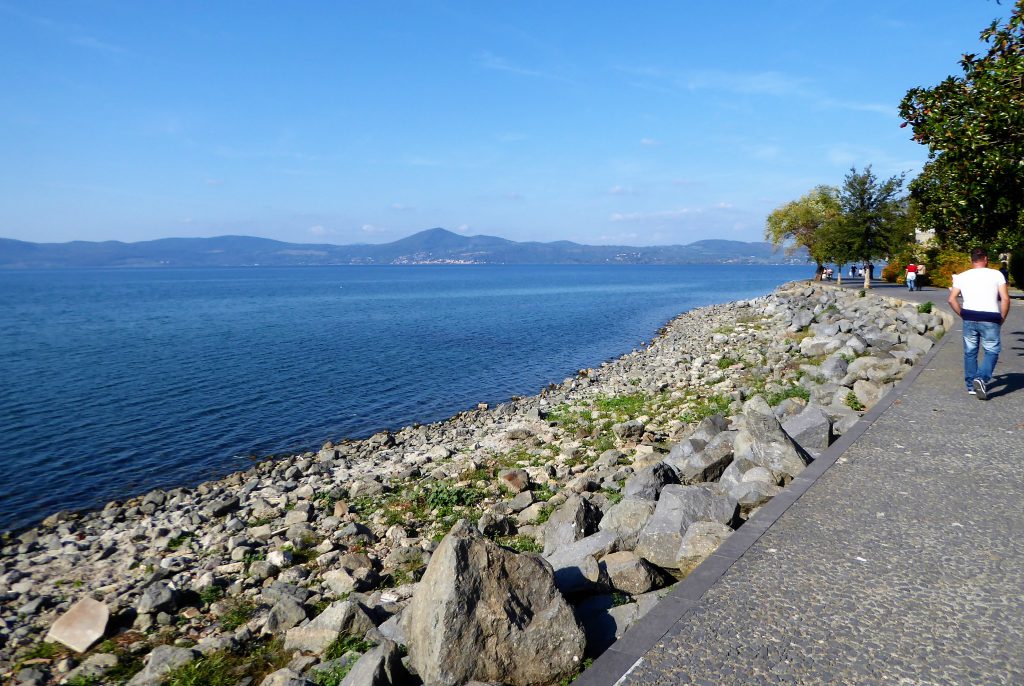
(363, 518)
(240, 462)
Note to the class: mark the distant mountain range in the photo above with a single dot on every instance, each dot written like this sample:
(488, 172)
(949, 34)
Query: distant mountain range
(433, 246)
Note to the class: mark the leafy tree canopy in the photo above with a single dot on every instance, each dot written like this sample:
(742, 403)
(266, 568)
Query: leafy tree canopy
(800, 223)
(873, 220)
(972, 189)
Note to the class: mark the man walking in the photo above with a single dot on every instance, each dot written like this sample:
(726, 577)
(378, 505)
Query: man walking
(986, 302)
(911, 275)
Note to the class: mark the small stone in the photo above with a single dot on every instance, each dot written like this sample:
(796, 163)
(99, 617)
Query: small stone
(81, 626)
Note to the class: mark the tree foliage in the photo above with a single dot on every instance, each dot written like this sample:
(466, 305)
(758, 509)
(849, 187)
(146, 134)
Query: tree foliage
(873, 215)
(801, 223)
(972, 189)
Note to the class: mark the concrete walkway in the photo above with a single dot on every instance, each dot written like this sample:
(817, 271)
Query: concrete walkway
(896, 558)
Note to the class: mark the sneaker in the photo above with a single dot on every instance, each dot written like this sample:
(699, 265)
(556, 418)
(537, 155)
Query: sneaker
(970, 391)
(980, 389)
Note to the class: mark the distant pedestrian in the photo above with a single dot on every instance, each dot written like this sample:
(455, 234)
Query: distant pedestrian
(853, 270)
(911, 276)
(986, 302)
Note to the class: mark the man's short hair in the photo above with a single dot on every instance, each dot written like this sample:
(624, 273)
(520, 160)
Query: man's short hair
(979, 254)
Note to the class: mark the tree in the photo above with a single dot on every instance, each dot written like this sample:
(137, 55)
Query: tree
(873, 219)
(972, 189)
(800, 223)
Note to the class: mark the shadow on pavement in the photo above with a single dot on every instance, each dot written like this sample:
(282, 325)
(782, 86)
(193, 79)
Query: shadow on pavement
(1008, 383)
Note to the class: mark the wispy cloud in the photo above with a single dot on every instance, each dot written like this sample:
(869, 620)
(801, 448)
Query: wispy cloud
(402, 207)
(491, 62)
(70, 33)
(621, 190)
(753, 83)
(650, 142)
(663, 215)
(214, 182)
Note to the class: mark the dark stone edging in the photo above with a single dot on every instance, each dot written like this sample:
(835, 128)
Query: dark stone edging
(626, 653)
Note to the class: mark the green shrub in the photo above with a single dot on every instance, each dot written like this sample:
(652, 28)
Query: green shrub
(345, 644)
(716, 404)
(853, 402)
(333, 675)
(726, 362)
(777, 397)
(216, 669)
(239, 611)
(925, 308)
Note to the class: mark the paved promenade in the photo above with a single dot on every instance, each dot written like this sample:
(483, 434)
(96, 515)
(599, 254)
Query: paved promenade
(896, 558)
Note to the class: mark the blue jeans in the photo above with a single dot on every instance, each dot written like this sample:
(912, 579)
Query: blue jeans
(987, 334)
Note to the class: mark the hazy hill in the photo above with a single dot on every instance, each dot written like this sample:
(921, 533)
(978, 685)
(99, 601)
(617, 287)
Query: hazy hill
(432, 246)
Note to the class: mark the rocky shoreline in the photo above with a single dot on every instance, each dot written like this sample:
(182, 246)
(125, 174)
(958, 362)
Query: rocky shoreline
(505, 545)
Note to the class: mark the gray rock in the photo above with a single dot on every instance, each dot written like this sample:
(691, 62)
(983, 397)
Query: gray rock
(162, 660)
(219, 508)
(343, 617)
(575, 565)
(629, 431)
(94, 666)
(394, 629)
(814, 346)
(700, 540)
(762, 441)
(159, 597)
(494, 524)
(342, 581)
(576, 518)
(81, 626)
(868, 392)
(630, 573)
(833, 369)
(380, 666)
(684, 449)
(516, 480)
(484, 612)
(811, 429)
(285, 677)
(648, 482)
(709, 463)
(285, 614)
(678, 508)
(627, 519)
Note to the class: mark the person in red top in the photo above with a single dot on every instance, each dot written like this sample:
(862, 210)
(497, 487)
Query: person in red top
(912, 276)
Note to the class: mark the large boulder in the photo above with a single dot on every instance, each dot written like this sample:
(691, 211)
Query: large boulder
(699, 541)
(811, 429)
(762, 441)
(709, 463)
(576, 518)
(486, 613)
(630, 574)
(678, 508)
(648, 482)
(627, 519)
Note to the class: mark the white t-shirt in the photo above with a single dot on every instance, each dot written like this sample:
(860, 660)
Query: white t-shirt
(980, 288)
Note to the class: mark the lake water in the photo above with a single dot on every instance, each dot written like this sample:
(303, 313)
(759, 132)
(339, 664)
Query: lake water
(114, 382)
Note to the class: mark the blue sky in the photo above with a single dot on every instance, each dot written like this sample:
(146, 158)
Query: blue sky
(362, 122)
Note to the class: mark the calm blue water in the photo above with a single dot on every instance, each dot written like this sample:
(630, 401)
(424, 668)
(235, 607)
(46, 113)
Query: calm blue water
(113, 382)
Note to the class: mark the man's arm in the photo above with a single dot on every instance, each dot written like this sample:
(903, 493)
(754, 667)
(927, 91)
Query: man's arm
(954, 292)
(1004, 300)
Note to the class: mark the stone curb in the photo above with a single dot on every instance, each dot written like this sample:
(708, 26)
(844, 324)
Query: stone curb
(623, 656)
